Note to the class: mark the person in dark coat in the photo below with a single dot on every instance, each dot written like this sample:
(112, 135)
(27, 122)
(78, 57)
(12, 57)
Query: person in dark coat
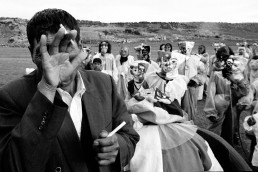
(58, 118)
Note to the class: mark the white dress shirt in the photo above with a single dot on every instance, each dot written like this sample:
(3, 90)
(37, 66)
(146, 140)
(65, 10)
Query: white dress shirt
(74, 103)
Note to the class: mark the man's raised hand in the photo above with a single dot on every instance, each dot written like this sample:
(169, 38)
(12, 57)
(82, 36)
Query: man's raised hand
(61, 58)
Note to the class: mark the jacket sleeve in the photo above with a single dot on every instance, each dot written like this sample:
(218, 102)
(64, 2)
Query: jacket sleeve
(26, 134)
(127, 136)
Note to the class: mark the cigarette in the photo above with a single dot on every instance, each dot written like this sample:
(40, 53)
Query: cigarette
(116, 129)
(62, 26)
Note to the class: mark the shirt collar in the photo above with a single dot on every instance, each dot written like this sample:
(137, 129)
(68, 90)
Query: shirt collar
(80, 86)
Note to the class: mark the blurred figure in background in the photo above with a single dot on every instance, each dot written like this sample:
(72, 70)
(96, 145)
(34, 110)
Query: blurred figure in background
(249, 49)
(168, 47)
(97, 65)
(87, 62)
(123, 62)
(203, 55)
(228, 92)
(255, 49)
(192, 67)
(170, 83)
(108, 59)
(138, 83)
(143, 53)
(213, 57)
(167, 50)
(162, 47)
(242, 52)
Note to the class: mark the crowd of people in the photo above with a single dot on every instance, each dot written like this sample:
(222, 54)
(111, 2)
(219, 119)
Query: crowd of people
(226, 78)
(59, 116)
(182, 78)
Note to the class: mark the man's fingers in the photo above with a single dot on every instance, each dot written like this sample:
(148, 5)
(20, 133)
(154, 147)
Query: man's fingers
(103, 134)
(54, 46)
(76, 61)
(106, 162)
(73, 47)
(107, 149)
(108, 141)
(106, 158)
(74, 34)
(43, 47)
(69, 45)
(65, 42)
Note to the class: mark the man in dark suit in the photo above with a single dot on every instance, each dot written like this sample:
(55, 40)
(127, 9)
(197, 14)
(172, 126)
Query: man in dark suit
(58, 118)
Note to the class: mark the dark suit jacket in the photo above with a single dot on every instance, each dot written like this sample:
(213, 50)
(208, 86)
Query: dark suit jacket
(37, 135)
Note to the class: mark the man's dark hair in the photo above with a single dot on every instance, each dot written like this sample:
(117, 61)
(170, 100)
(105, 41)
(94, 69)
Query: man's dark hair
(50, 20)
(109, 46)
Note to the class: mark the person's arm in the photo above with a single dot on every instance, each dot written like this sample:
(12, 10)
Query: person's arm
(122, 144)
(26, 136)
(127, 136)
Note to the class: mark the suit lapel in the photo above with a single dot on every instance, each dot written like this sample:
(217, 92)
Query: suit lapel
(94, 109)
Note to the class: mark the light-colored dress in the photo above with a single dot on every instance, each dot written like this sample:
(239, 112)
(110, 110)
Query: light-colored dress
(189, 67)
(172, 144)
(174, 89)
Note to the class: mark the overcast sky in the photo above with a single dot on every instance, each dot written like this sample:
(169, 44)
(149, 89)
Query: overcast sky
(232, 11)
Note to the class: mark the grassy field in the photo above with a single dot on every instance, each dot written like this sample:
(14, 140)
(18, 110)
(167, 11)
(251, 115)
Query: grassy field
(13, 62)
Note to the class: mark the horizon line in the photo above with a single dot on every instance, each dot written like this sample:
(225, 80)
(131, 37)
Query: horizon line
(154, 21)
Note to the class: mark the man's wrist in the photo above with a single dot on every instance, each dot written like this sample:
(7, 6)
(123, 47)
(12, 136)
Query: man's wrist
(47, 90)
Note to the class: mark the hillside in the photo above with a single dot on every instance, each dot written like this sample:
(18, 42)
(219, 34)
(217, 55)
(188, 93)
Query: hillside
(13, 31)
